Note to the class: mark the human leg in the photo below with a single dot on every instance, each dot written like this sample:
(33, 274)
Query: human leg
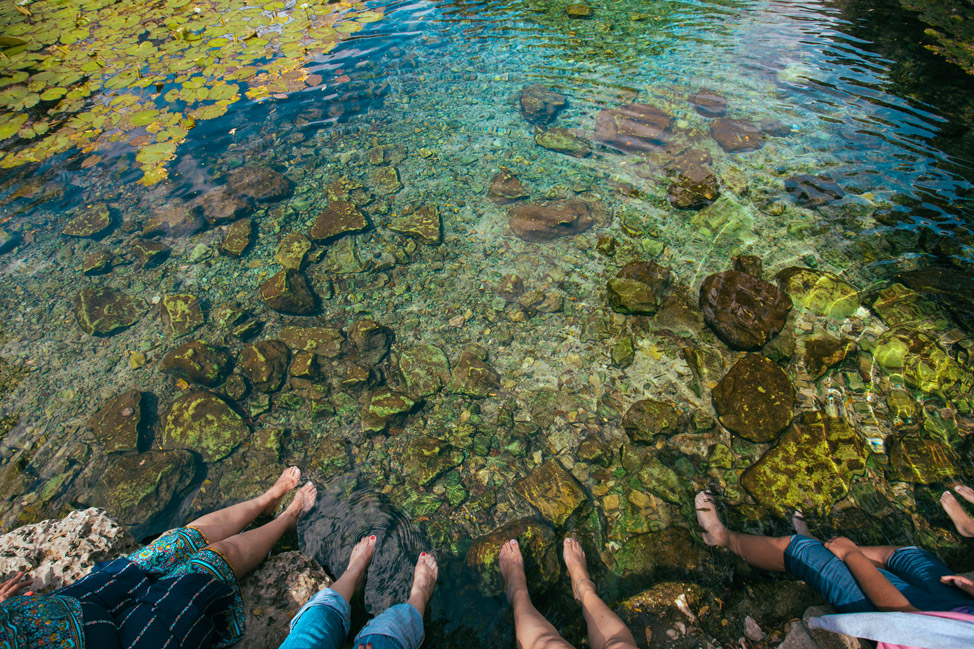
(401, 626)
(765, 552)
(962, 520)
(923, 572)
(605, 629)
(228, 521)
(246, 550)
(531, 629)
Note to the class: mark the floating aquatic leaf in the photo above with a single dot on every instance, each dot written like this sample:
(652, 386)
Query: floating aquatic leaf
(10, 124)
(143, 117)
(211, 111)
(53, 93)
(11, 41)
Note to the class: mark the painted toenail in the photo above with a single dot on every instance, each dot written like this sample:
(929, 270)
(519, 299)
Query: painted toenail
(422, 554)
(372, 537)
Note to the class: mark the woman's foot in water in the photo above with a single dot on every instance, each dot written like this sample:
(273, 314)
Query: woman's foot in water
(512, 569)
(962, 520)
(290, 478)
(574, 557)
(714, 531)
(424, 581)
(352, 580)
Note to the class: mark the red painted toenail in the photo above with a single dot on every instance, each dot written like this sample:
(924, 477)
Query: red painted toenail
(372, 537)
(422, 554)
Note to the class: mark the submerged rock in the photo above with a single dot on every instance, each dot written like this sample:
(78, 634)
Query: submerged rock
(149, 253)
(371, 341)
(736, 135)
(292, 251)
(198, 362)
(709, 104)
(506, 188)
(813, 191)
(578, 10)
(220, 205)
(549, 220)
(898, 306)
(289, 292)
(552, 491)
(638, 288)
(237, 238)
(540, 105)
(538, 547)
(265, 363)
(922, 363)
(824, 351)
(756, 399)
(116, 423)
(97, 263)
(338, 219)
(203, 422)
(472, 375)
(665, 616)
(175, 219)
(425, 459)
(923, 461)
(744, 311)
(562, 140)
(181, 314)
(135, 488)
(425, 369)
(92, 222)
(423, 224)
(324, 341)
(953, 290)
(8, 240)
(104, 311)
(811, 467)
(385, 406)
(386, 181)
(819, 292)
(648, 418)
(649, 556)
(259, 183)
(633, 128)
(695, 187)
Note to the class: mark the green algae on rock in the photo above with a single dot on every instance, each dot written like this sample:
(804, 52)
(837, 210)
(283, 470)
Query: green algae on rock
(337, 220)
(104, 311)
(323, 341)
(181, 313)
(175, 219)
(623, 352)
(655, 554)
(540, 105)
(425, 459)
(289, 292)
(755, 399)
(647, 418)
(148, 252)
(562, 140)
(237, 238)
(385, 180)
(93, 222)
(472, 375)
(922, 363)
(371, 342)
(116, 424)
(819, 292)
(265, 363)
(898, 306)
(384, 407)
(136, 487)
(923, 461)
(292, 250)
(744, 311)
(97, 263)
(823, 352)
(260, 183)
(638, 288)
(199, 362)
(506, 188)
(203, 422)
(552, 491)
(810, 467)
(423, 224)
(425, 369)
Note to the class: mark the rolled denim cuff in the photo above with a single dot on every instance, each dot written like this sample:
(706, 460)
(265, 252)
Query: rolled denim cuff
(329, 599)
(402, 623)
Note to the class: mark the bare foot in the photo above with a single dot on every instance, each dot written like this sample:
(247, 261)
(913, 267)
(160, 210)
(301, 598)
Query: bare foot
(288, 481)
(966, 492)
(512, 569)
(304, 501)
(714, 531)
(424, 581)
(577, 569)
(359, 562)
(801, 527)
(962, 520)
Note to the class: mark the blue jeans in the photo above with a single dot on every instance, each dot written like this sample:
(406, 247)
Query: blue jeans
(913, 571)
(323, 623)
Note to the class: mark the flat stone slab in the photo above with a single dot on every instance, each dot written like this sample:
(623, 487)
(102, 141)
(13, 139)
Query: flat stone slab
(338, 219)
(551, 490)
(104, 311)
(203, 422)
(756, 399)
(744, 311)
(116, 423)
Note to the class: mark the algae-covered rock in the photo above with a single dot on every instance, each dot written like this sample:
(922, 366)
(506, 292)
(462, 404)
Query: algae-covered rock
(371, 342)
(260, 183)
(819, 292)
(813, 191)
(304, 365)
(91, 222)
(562, 140)
(638, 288)
(425, 369)
(220, 205)
(237, 238)
(540, 105)
(506, 188)
(423, 224)
(663, 481)
(116, 424)
(922, 461)
(203, 422)
(633, 128)
(756, 399)
(338, 219)
(552, 491)
(623, 352)
(744, 311)
(385, 180)
(811, 467)
(898, 306)
(384, 407)
(708, 104)
(736, 135)
(135, 488)
(425, 459)
(664, 617)
(181, 313)
(695, 187)
(8, 240)
(265, 363)
(198, 362)
(472, 375)
(922, 363)
(650, 556)
(324, 341)
(648, 418)
(104, 311)
(174, 219)
(538, 546)
(292, 250)
(148, 252)
(97, 263)
(824, 351)
(549, 220)
(289, 292)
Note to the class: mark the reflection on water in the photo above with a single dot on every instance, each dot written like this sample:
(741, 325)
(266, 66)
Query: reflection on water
(853, 177)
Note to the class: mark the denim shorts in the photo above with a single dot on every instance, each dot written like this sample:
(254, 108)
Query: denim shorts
(913, 571)
(323, 623)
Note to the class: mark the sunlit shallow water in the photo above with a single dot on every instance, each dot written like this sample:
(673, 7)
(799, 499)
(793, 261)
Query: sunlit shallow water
(432, 89)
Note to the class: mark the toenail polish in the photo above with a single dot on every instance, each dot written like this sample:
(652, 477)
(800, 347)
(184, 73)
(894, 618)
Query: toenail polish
(422, 554)
(372, 537)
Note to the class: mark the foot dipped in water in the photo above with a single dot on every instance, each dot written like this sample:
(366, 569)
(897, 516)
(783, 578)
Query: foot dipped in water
(304, 501)
(577, 569)
(801, 526)
(424, 581)
(271, 498)
(512, 569)
(962, 520)
(714, 531)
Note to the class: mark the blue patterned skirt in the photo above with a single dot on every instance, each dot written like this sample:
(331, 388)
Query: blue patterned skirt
(172, 593)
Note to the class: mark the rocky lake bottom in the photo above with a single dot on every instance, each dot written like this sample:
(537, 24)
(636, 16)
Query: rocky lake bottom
(479, 289)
